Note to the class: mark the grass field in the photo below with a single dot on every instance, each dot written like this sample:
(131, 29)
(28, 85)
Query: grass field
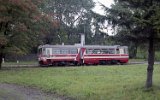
(89, 83)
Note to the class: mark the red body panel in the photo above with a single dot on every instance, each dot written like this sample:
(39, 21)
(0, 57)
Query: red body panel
(95, 58)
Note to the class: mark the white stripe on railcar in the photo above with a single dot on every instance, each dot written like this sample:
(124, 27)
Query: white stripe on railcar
(106, 57)
(61, 57)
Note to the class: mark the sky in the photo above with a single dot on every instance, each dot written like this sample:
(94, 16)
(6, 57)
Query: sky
(98, 9)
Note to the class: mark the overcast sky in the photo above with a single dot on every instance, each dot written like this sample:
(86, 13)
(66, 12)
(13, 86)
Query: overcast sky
(98, 7)
(99, 10)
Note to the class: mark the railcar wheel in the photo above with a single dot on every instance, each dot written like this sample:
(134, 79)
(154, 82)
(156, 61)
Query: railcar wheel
(114, 62)
(102, 62)
(108, 62)
(75, 63)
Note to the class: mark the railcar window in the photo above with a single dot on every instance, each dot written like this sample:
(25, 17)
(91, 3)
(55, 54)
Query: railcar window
(56, 51)
(100, 51)
(125, 51)
(108, 51)
(117, 51)
(73, 51)
(96, 51)
(43, 50)
(104, 51)
(40, 51)
(64, 51)
(89, 51)
(48, 52)
(111, 51)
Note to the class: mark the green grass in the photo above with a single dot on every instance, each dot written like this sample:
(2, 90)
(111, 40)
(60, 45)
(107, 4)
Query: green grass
(137, 60)
(89, 83)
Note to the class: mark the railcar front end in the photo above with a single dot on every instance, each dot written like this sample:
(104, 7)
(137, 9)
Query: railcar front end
(58, 55)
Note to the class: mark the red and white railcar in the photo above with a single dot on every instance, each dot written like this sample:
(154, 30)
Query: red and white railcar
(77, 55)
(95, 54)
(58, 54)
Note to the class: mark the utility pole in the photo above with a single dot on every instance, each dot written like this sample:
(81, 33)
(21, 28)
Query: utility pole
(59, 39)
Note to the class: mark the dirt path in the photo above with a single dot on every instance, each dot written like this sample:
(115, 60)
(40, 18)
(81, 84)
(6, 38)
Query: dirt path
(15, 92)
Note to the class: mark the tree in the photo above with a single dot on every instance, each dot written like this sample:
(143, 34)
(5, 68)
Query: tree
(141, 19)
(70, 14)
(18, 26)
(99, 36)
(124, 38)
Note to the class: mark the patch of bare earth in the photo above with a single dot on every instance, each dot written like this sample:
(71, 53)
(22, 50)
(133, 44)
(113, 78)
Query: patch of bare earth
(16, 92)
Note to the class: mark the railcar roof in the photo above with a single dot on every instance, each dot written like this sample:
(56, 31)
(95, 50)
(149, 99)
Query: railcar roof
(102, 46)
(58, 46)
(78, 46)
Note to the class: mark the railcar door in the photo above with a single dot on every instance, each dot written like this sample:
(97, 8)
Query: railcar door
(81, 55)
(48, 52)
(121, 50)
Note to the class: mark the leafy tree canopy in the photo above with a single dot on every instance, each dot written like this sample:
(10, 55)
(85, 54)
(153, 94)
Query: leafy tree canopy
(21, 23)
(70, 16)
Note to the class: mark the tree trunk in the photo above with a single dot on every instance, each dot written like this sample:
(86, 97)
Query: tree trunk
(151, 54)
(1, 57)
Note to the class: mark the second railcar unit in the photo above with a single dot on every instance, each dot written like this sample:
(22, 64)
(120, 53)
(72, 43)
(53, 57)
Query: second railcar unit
(96, 54)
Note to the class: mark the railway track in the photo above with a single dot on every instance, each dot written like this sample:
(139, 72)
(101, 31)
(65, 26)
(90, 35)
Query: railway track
(20, 66)
(37, 66)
